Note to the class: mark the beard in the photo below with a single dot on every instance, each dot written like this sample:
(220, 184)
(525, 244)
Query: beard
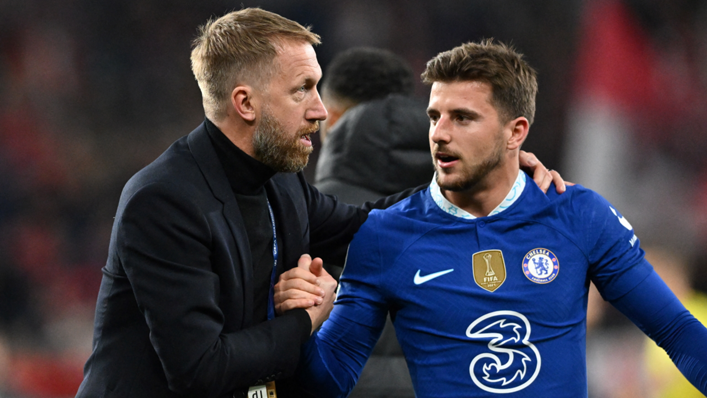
(274, 147)
(471, 175)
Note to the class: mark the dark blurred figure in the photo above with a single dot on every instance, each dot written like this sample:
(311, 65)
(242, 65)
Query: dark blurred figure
(376, 133)
(376, 144)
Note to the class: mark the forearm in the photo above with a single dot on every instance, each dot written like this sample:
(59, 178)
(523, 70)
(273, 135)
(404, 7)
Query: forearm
(332, 360)
(655, 310)
(252, 356)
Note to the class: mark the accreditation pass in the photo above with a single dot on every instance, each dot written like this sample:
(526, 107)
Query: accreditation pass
(263, 391)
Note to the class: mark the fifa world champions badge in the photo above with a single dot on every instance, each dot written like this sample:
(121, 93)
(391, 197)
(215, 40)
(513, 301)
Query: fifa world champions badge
(541, 266)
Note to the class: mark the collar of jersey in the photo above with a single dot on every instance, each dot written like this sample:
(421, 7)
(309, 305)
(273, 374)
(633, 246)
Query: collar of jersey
(452, 209)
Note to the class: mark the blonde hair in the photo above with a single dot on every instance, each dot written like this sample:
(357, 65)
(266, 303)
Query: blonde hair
(239, 48)
(513, 81)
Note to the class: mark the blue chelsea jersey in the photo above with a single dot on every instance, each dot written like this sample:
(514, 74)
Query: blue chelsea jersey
(489, 305)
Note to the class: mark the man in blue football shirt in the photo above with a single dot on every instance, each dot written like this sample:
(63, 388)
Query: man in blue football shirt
(484, 276)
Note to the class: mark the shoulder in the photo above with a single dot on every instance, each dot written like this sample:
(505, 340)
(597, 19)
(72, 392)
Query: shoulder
(174, 174)
(579, 202)
(405, 220)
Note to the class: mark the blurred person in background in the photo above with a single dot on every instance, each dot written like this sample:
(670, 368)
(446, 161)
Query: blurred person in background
(376, 132)
(376, 145)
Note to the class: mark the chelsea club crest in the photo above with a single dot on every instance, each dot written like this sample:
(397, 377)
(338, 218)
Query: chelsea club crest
(541, 266)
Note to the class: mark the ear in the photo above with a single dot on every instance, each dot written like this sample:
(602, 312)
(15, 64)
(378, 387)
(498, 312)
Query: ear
(334, 113)
(243, 102)
(519, 132)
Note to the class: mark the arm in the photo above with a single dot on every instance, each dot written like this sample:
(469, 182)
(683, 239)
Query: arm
(333, 358)
(165, 245)
(660, 315)
(628, 281)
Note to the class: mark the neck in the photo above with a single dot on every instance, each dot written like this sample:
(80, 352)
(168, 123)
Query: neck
(240, 134)
(481, 199)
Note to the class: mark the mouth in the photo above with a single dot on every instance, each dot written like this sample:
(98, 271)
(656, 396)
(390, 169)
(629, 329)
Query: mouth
(445, 160)
(306, 140)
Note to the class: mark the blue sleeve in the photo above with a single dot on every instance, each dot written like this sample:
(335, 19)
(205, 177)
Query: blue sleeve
(660, 315)
(334, 357)
(616, 263)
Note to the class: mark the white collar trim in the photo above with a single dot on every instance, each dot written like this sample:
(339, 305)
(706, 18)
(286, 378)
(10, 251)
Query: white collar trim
(452, 209)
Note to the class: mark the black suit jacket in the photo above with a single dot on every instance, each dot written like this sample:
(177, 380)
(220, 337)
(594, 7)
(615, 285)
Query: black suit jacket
(175, 307)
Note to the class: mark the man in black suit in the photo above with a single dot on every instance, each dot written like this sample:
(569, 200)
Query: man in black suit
(183, 306)
(200, 236)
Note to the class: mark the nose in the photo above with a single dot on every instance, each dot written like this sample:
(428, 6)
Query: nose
(316, 111)
(439, 132)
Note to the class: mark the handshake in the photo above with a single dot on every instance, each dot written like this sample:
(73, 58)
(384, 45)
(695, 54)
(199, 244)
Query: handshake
(307, 286)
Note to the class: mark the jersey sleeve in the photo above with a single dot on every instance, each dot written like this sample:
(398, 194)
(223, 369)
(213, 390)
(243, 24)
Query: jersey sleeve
(616, 263)
(628, 281)
(660, 315)
(333, 358)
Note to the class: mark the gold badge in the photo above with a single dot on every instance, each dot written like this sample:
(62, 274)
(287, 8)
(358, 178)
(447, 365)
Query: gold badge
(489, 269)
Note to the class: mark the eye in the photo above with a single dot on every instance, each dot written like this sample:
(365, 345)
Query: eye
(433, 118)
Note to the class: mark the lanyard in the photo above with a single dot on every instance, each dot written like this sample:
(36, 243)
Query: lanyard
(273, 276)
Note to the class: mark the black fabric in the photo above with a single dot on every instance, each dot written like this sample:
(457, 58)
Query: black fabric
(247, 177)
(175, 311)
(377, 148)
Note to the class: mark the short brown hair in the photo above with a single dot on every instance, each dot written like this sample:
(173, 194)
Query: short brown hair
(513, 81)
(239, 47)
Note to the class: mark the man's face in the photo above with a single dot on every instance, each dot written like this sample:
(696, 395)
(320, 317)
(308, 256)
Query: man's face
(467, 139)
(275, 147)
(291, 109)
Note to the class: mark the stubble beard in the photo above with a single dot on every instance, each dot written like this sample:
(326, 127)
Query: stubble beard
(274, 147)
(471, 176)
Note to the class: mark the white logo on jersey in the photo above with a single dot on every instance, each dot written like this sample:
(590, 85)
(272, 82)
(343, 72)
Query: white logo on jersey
(508, 332)
(622, 220)
(422, 279)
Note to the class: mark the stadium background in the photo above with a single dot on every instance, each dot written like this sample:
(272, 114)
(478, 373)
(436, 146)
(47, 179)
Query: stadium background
(91, 91)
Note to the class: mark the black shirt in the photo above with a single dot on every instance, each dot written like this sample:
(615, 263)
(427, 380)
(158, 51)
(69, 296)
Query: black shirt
(247, 178)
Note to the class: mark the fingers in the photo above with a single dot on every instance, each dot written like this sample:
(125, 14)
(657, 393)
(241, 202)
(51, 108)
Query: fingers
(291, 304)
(542, 177)
(304, 286)
(316, 267)
(304, 261)
(528, 160)
(295, 293)
(559, 182)
(319, 313)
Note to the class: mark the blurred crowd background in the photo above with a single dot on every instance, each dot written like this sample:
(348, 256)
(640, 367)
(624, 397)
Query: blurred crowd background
(92, 91)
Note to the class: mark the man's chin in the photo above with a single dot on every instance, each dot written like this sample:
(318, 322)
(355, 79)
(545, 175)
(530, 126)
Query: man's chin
(293, 165)
(454, 183)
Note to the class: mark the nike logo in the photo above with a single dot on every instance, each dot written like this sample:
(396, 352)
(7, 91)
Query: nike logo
(422, 279)
(622, 220)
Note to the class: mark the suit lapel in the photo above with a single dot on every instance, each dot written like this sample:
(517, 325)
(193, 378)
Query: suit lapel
(205, 156)
(289, 239)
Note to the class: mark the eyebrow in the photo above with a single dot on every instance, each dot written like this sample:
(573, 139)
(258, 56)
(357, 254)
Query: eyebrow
(466, 112)
(458, 111)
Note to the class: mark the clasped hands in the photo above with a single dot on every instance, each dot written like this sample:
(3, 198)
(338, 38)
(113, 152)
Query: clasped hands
(307, 286)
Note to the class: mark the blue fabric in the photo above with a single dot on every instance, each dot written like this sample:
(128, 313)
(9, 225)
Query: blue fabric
(661, 316)
(522, 336)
